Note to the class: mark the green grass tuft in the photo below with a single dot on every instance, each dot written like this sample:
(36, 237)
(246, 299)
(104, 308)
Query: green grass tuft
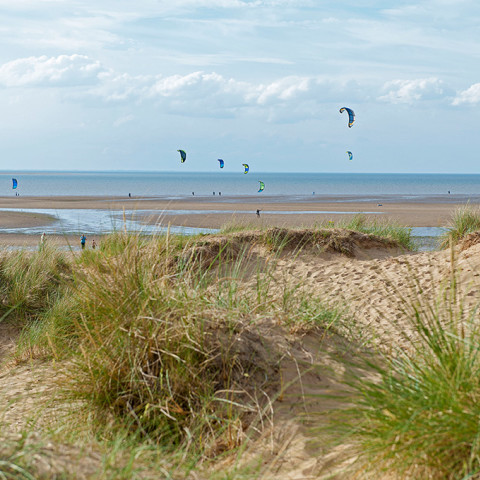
(373, 226)
(416, 413)
(464, 220)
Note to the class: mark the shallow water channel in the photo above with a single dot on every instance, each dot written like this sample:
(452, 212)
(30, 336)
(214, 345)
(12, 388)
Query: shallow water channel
(96, 222)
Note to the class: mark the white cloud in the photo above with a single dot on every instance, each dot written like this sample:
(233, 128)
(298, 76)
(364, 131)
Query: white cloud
(211, 94)
(63, 70)
(411, 91)
(470, 95)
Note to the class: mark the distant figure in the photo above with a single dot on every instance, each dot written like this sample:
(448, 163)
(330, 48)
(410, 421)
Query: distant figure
(258, 212)
(449, 191)
(193, 193)
(129, 195)
(220, 193)
(214, 193)
(94, 245)
(313, 193)
(83, 240)
(43, 240)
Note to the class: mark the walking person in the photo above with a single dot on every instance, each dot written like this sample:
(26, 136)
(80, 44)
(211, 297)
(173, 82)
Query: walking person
(258, 213)
(83, 240)
(94, 244)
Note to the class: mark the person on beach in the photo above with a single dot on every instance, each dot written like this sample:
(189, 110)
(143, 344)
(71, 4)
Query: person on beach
(43, 239)
(129, 195)
(258, 213)
(83, 240)
(94, 244)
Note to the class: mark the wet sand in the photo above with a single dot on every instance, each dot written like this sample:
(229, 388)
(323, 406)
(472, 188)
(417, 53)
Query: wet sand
(215, 212)
(24, 219)
(411, 212)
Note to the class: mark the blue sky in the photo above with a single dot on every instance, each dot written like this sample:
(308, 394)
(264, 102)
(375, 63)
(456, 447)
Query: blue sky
(121, 85)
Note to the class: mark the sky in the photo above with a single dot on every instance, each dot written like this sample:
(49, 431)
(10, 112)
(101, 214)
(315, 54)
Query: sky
(122, 85)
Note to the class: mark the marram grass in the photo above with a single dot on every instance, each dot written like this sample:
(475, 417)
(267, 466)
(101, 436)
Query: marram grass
(373, 226)
(362, 223)
(464, 220)
(160, 335)
(416, 414)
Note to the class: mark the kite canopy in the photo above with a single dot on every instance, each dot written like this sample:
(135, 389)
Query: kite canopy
(350, 155)
(14, 182)
(247, 168)
(183, 155)
(262, 186)
(222, 163)
(351, 115)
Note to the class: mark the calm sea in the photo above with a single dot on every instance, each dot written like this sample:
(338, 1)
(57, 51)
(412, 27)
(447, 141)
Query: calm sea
(177, 184)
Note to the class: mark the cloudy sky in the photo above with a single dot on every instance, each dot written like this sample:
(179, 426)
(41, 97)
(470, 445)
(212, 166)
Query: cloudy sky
(121, 85)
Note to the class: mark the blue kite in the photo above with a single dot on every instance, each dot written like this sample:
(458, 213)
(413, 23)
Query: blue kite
(351, 115)
(222, 163)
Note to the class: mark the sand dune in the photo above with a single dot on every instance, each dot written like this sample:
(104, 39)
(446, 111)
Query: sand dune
(374, 282)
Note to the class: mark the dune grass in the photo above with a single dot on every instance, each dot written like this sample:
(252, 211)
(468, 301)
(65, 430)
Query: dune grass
(163, 338)
(464, 220)
(373, 226)
(31, 282)
(416, 413)
(358, 223)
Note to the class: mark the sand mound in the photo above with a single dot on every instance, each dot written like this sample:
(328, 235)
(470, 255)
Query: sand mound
(469, 241)
(307, 241)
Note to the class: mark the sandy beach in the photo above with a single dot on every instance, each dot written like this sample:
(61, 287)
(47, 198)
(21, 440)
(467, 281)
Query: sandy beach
(215, 212)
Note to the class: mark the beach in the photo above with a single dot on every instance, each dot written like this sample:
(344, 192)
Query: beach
(26, 216)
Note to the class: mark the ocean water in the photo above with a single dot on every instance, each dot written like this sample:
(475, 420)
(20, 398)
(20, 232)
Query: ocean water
(300, 185)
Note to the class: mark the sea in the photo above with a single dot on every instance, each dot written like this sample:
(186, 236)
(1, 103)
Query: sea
(292, 187)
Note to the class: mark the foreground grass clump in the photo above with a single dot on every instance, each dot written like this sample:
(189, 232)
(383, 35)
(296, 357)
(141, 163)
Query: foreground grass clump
(165, 337)
(465, 220)
(418, 415)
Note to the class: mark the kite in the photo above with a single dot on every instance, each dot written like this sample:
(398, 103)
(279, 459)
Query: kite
(247, 168)
(222, 163)
(183, 155)
(350, 155)
(15, 183)
(351, 115)
(262, 186)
